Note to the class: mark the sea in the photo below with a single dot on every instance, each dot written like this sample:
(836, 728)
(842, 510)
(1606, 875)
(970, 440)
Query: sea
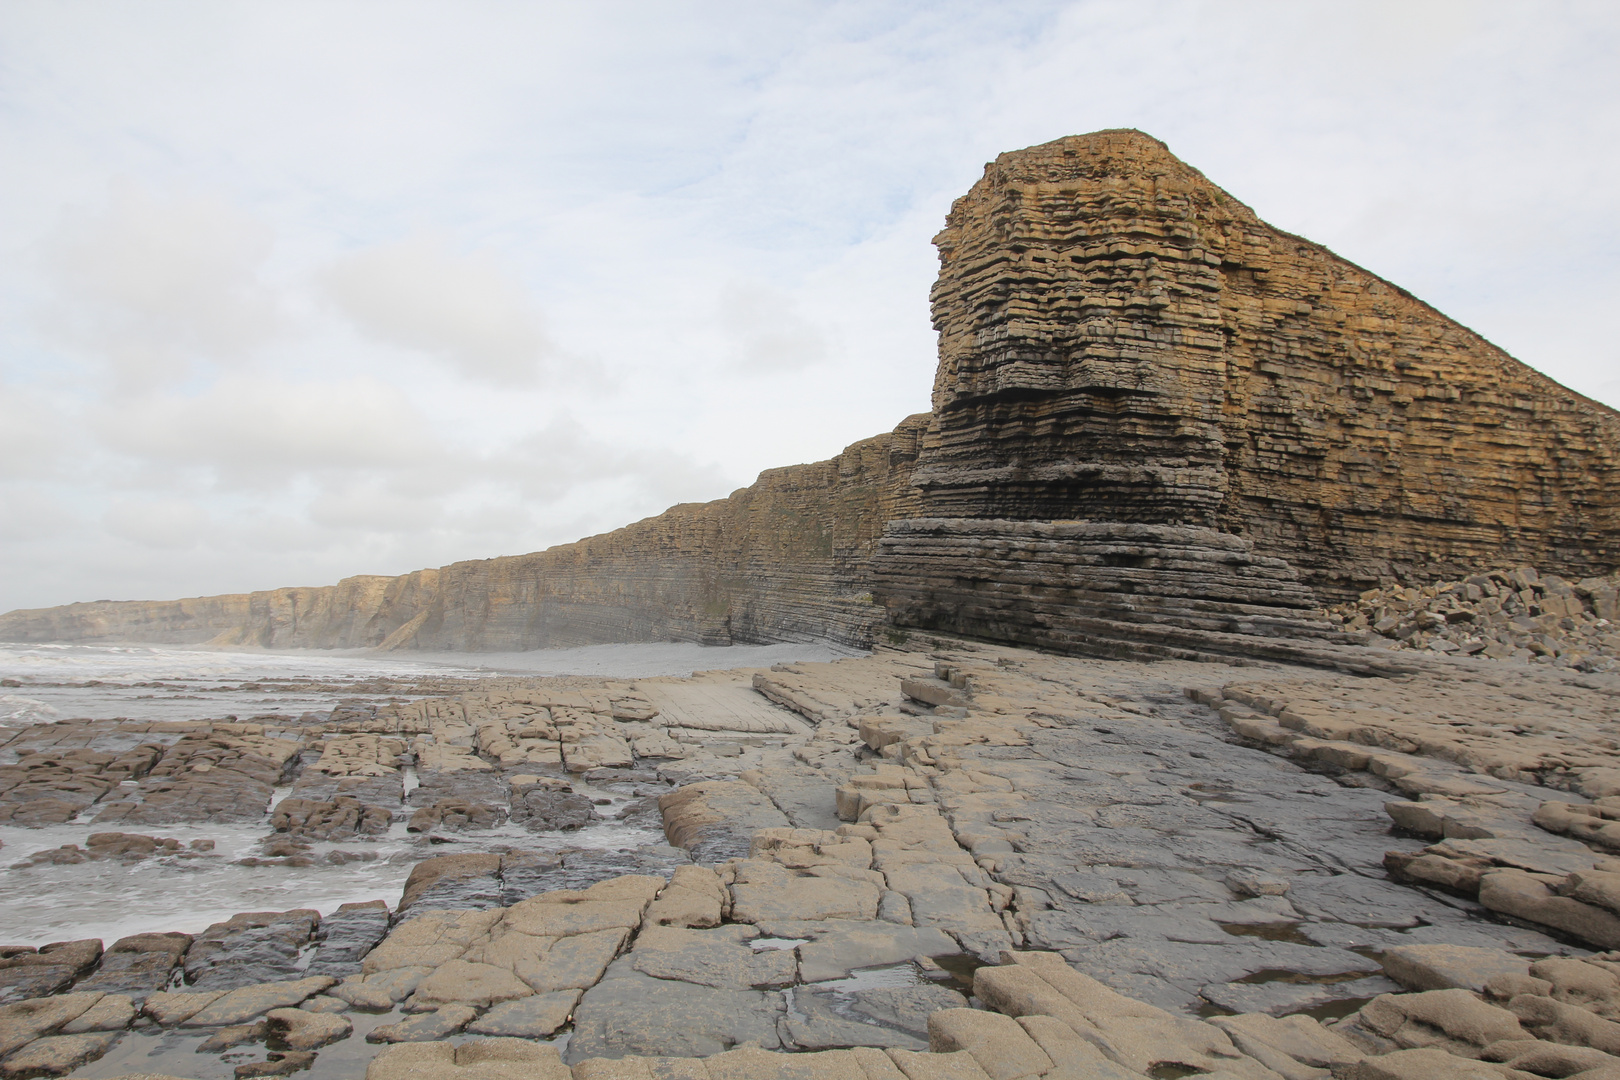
(45, 902)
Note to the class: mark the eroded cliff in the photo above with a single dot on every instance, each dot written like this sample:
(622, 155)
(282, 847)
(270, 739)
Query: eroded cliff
(1121, 340)
(782, 560)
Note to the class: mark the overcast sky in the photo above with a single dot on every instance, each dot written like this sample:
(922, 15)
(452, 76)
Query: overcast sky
(292, 291)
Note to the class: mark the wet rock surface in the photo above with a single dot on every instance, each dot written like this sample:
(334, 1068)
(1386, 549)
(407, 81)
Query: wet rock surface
(966, 858)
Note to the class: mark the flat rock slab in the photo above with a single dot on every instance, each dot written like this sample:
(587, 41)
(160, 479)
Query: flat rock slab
(302, 1030)
(475, 1059)
(57, 1055)
(1282, 997)
(425, 1027)
(463, 983)
(861, 945)
(235, 1006)
(715, 820)
(819, 1020)
(720, 958)
(382, 990)
(1440, 967)
(112, 1013)
(632, 1013)
(25, 1021)
(573, 963)
(533, 1017)
(771, 893)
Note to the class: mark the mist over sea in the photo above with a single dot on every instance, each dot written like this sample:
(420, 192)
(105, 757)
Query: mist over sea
(176, 682)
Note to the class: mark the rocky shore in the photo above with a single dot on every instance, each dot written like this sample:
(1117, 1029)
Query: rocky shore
(1262, 839)
(947, 859)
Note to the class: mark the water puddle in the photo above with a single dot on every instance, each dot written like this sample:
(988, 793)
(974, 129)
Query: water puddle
(1283, 931)
(1282, 975)
(959, 967)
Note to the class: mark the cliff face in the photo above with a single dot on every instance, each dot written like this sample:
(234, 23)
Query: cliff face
(1120, 340)
(1159, 425)
(783, 560)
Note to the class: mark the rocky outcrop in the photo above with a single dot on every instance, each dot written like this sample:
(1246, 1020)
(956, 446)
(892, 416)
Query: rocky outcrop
(1121, 340)
(1160, 427)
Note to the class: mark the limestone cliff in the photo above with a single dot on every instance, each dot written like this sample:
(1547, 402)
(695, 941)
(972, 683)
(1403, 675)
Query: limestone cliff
(1160, 426)
(782, 560)
(1121, 340)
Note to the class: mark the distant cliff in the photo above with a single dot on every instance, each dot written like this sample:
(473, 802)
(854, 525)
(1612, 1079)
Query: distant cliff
(1160, 427)
(782, 560)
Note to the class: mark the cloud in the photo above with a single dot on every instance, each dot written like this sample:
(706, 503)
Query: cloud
(467, 310)
(32, 433)
(157, 523)
(154, 284)
(766, 331)
(563, 456)
(256, 430)
(28, 513)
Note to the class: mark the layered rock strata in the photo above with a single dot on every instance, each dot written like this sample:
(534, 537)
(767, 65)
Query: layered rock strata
(1121, 344)
(1121, 340)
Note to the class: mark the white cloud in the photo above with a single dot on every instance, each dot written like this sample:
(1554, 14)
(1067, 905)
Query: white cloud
(157, 523)
(726, 210)
(254, 430)
(467, 310)
(29, 513)
(33, 433)
(766, 331)
(153, 285)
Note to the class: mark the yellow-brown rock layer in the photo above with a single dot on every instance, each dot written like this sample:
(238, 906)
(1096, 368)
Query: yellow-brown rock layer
(1121, 340)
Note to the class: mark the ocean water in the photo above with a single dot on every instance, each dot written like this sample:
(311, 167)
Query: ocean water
(174, 682)
(40, 903)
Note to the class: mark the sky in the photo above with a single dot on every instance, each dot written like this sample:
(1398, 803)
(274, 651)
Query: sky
(291, 291)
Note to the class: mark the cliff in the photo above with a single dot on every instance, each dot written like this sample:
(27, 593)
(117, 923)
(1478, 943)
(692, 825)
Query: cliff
(1160, 427)
(782, 560)
(1122, 340)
